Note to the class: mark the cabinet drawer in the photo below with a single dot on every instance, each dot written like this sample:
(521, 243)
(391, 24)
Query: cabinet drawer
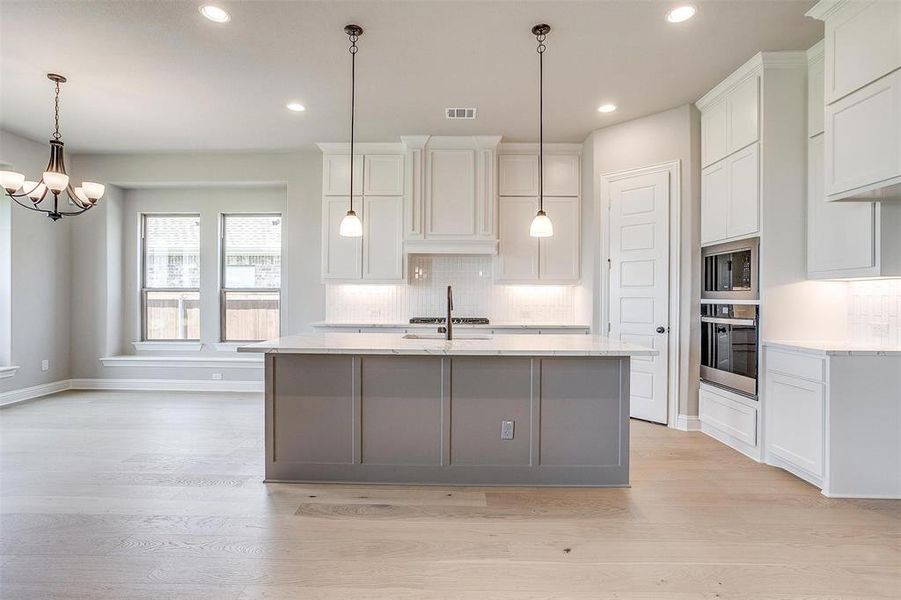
(797, 365)
(733, 418)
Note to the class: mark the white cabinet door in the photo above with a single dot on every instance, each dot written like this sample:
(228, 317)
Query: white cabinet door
(840, 235)
(341, 256)
(714, 202)
(518, 175)
(744, 196)
(815, 96)
(336, 174)
(451, 204)
(794, 421)
(383, 250)
(863, 43)
(383, 175)
(863, 138)
(743, 103)
(517, 258)
(714, 133)
(559, 255)
(561, 175)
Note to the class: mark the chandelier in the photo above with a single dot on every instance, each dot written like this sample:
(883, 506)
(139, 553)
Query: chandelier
(54, 179)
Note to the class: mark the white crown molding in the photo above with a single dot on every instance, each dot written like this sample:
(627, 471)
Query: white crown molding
(7, 372)
(185, 362)
(824, 9)
(169, 385)
(688, 423)
(532, 148)
(362, 147)
(817, 51)
(30, 393)
(776, 60)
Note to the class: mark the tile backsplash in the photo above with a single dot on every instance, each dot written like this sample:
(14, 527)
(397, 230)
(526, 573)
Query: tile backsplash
(874, 312)
(475, 295)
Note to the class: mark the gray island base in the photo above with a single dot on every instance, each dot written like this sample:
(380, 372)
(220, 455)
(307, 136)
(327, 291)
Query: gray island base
(377, 408)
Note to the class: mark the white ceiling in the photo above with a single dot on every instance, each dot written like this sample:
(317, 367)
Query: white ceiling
(156, 76)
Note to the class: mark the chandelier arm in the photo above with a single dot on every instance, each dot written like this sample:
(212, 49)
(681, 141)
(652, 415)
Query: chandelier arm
(74, 198)
(34, 208)
(69, 213)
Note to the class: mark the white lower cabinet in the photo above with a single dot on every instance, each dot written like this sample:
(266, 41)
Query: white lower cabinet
(730, 418)
(794, 423)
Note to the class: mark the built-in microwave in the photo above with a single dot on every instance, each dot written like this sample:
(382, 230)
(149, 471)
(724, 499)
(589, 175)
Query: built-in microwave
(729, 346)
(730, 271)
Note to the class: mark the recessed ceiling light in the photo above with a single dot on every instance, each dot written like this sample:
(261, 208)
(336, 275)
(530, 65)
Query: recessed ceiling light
(681, 13)
(215, 14)
(606, 108)
(296, 106)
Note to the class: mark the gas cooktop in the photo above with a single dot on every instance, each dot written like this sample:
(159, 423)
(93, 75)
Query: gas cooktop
(454, 320)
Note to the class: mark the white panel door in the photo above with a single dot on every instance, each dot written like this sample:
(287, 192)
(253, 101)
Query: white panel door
(383, 175)
(518, 175)
(559, 255)
(639, 284)
(451, 200)
(383, 246)
(517, 255)
(714, 202)
(744, 195)
(341, 256)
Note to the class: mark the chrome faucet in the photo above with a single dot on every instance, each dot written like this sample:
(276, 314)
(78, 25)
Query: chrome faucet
(449, 324)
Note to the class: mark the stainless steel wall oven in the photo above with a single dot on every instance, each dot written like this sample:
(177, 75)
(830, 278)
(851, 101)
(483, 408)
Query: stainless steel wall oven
(730, 346)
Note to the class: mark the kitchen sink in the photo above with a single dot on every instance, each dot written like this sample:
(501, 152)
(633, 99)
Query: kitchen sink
(440, 336)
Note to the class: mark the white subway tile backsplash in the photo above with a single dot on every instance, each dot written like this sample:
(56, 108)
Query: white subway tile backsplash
(475, 295)
(874, 312)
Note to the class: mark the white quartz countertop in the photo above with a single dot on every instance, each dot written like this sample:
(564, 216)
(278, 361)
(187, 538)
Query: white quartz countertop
(495, 345)
(835, 348)
(405, 325)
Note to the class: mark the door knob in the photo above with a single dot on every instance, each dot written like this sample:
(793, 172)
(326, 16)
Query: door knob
(661, 329)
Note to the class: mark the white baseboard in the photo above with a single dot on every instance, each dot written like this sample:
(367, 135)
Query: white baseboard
(163, 385)
(169, 385)
(688, 423)
(35, 391)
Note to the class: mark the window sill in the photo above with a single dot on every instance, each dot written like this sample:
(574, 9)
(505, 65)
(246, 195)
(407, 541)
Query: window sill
(6, 372)
(168, 346)
(230, 346)
(187, 362)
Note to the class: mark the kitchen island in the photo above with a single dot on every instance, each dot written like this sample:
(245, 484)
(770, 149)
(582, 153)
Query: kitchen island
(481, 410)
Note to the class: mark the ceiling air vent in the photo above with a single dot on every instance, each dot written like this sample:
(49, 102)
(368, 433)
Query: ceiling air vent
(460, 113)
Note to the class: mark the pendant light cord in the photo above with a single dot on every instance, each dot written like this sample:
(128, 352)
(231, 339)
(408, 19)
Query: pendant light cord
(353, 88)
(541, 48)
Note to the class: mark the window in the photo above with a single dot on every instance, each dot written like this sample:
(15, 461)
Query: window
(170, 290)
(251, 277)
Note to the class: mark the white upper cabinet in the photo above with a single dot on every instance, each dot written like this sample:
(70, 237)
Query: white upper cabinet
(863, 43)
(714, 203)
(518, 175)
(562, 174)
(559, 255)
(383, 175)
(815, 90)
(863, 139)
(336, 174)
(731, 122)
(862, 89)
(341, 256)
(452, 202)
(730, 197)
(383, 240)
(517, 257)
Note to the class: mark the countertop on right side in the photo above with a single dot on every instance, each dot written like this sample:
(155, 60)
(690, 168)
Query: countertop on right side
(834, 348)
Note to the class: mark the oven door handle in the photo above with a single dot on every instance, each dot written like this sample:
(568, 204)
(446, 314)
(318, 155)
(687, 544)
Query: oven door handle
(723, 321)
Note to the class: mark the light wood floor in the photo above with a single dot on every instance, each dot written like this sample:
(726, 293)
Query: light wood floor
(140, 495)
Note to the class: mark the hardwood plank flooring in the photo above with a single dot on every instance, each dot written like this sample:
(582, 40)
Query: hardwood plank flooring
(113, 495)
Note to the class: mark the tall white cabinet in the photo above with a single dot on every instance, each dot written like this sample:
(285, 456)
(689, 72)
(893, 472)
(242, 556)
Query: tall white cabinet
(844, 239)
(378, 256)
(522, 258)
(862, 92)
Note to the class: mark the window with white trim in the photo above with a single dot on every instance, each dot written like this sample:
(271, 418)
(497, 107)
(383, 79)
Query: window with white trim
(251, 277)
(170, 277)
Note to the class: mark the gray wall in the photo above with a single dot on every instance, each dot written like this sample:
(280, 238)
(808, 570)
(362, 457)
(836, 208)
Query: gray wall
(39, 290)
(670, 135)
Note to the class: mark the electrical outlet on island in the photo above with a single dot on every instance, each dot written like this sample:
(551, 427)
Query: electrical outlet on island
(217, 376)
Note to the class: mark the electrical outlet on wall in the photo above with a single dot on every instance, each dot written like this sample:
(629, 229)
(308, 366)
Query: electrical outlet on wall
(217, 376)
(506, 430)
(45, 365)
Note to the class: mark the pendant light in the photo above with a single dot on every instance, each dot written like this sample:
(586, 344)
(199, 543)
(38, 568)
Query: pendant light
(541, 224)
(351, 226)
